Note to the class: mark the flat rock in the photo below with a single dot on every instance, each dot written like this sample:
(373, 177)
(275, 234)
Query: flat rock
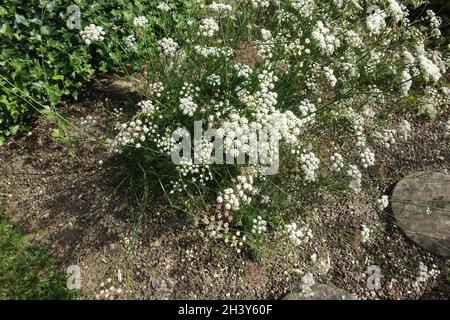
(421, 205)
(126, 86)
(322, 292)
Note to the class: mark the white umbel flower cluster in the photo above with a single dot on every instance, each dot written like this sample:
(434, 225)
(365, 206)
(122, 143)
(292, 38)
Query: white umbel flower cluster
(260, 3)
(298, 235)
(430, 71)
(325, 39)
(232, 198)
(329, 74)
(309, 164)
(213, 80)
(397, 10)
(147, 107)
(383, 203)
(221, 8)
(164, 7)
(132, 133)
(266, 34)
(88, 122)
(187, 104)
(92, 33)
(308, 111)
(208, 27)
(236, 241)
(208, 52)
(168, 47)
(196, 172)
(405, 82)
(357, 122)
(259, 225)
(424, 274)
(304, 7)
(130, 42)
(409, 58)
(202, 151)
(267, 44)
(367, 158)
(353, 39)
(365, 234)
(156, 88)
(435, 23)
(243, 70)
(337, 162)
(387, 137)
(140, 21)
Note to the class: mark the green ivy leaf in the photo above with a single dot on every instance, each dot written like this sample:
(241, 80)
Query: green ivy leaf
(6, 30)
(21, 20)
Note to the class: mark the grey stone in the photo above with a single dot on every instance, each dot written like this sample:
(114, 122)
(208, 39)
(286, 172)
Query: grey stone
(160, 289)
(421, 205)
(116, 86)
(322, 292)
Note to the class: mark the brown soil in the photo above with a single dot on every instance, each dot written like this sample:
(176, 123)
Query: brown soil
(70, 198)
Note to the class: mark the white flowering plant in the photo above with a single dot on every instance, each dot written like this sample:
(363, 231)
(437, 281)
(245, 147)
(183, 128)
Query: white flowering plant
(49, 52)
(321, 78)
